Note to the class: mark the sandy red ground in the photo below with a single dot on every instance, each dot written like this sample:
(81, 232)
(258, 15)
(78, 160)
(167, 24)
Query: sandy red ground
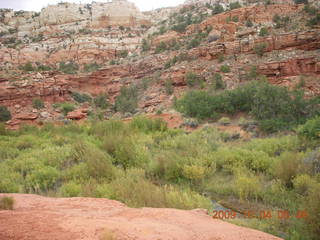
(41, 218)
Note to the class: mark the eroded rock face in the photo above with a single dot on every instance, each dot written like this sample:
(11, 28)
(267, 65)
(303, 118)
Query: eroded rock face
(83, 33)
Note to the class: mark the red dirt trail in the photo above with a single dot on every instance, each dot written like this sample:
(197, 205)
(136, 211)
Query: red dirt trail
(41, 218)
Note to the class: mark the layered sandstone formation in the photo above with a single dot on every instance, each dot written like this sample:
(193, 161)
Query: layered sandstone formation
(85, 36)
(79, 32)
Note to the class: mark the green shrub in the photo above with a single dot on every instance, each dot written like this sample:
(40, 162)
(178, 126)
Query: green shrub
(98, 164)
(218, 82)
(225, 69)
(235, 5)
(161, 47)
(313, 207)
(136, 191)
(81, 97)
(101, 101)
(253, 73)
(6, 203)
(314, 21)
(249, 23)
(192, 79)
(37, 103)
(303, 184)
(311, 129)
(287, 166)
(43, 68)
(145, 83)
(260, 99)
(224, 121)
(66, 107)
(248, 187)
(68, 68)
(27, 67)
(194, 43)
(131, 154)
(263, 32)
(301, 1)
(235, 19)
(181, 27)
(10, 180)
(123, 53)
(259, 49)
(85, 31)
(237, 158)
(145, 45)
(281, 21)
(91, 67)
(127, 101)
(5, 114)
(169, 87)
(196, 104)
(220, 58)
(70, 189)
(42, 179)
(148, 125)
(217, 9)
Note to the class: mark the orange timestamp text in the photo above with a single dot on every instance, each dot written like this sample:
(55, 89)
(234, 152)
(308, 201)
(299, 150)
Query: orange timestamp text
(280, 214)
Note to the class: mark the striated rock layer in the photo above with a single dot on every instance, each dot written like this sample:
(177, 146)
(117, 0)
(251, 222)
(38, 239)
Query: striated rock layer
(39, 218)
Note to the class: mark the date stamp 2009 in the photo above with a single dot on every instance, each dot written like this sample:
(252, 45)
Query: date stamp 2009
(280, 214)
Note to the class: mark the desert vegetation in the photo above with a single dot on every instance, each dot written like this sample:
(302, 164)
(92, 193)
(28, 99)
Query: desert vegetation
(144, 163)
(258, 98)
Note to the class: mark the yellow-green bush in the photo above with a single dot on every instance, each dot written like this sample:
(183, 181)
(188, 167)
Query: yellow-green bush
(10, 181)
(148, 125)
(42, 179)
(135, 190)
(303, 183)
(274, 146)
(287, 166)
(230, 158)
(130, 154)
(276, 194)
(194, 172)
(248, 186)
(312, 205)
(70, 189)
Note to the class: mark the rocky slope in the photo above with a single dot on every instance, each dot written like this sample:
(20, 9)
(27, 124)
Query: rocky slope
(112, 35)
(38, 218)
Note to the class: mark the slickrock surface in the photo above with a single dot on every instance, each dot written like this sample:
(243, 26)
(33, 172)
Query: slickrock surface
(39, 218)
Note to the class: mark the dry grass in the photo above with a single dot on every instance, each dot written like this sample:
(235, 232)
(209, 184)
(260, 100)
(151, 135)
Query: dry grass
(6, 203)
(108, 235)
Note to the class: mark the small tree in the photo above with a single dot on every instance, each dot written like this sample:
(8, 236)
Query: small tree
(127, 101)
(145, 45)
(249, 23)
(5, 114)
(169, 87)
(192, 79)
(37, 103)
(225, 69)
(263, 32)
(101, 101)
(217, 9)
(219, 84)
